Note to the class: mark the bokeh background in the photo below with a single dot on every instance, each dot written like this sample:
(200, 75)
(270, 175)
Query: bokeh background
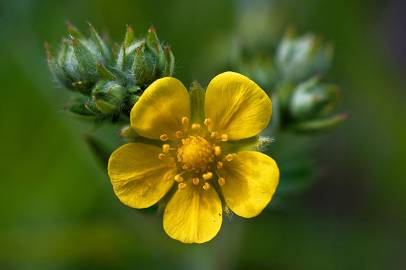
(57, 209)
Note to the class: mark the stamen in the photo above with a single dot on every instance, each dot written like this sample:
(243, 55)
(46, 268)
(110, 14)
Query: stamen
(164, 137)
(181, 185)
(229, 157)
(178, 178)
(165, 148)
(207, 176)
(224, 137)
(206, 186)
(219, 165)
(161, 156)
(217, 150)
(196, 127)
(221, 181)
(179, 134)
(213, 135)
(195, 181)
(207, 122)
(185, 122)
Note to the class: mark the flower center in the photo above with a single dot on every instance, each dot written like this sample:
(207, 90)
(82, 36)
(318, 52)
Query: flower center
(195, 153)
(198, 155)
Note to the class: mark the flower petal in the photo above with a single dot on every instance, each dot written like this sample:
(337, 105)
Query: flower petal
(138, 177)
(251, 179)
(161, 108)
(237, 106)
(193, 215)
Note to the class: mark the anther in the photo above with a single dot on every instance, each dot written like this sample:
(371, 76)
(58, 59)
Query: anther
(161, 156)
(207, 176)
(164, 137)
(179, 134)
(195, 181)
(196, 127)
(181, 185)
(221, 181)
(217, 150)
(206, 186)
(229, 157)
(185, 122)
(213, 135)
(178, 178)
(165, 148)
(207, 122)
(219, 165)
(224, 137)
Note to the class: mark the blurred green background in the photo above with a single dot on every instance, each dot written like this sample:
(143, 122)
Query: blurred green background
(57, 207)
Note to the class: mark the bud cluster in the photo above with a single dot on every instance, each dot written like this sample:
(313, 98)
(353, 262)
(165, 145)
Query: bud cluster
(294, 74)
(108, 81)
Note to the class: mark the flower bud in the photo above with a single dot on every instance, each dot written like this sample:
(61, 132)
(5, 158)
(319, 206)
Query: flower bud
(311, 99)
(75, 64)
(144, 66)
(145, 60)
(298, 58)
(108, 96)
(109, 85)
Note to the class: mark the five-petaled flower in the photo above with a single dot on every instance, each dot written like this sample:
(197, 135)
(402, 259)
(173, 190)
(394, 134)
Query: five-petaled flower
(193, 166)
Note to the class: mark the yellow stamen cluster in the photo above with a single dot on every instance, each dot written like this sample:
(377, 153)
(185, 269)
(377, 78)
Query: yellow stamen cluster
(197, 153)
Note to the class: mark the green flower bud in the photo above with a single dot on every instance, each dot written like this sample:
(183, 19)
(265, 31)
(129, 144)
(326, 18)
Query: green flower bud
(298, 58)
(144, 67)
(144, 60)
(311, 99)
(75, 65)
(108, 96)
(109, 85)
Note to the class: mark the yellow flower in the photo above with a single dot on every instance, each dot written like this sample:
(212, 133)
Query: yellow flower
(193, 161)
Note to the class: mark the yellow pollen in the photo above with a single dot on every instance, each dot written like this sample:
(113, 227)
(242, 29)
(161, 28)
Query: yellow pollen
(185, 122)
(207, 122)
(219, 165)
(206, 186)
(208, 176)
(179, 134)
(164, 137)
(195, 153)
(217, 150)
(196, 127)
(229, 157)
(224, 137)
(178, 178)
(161, 156)
(221, 181)
(213, 135)
(181, 185)
(165, 148)
(195, 181)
